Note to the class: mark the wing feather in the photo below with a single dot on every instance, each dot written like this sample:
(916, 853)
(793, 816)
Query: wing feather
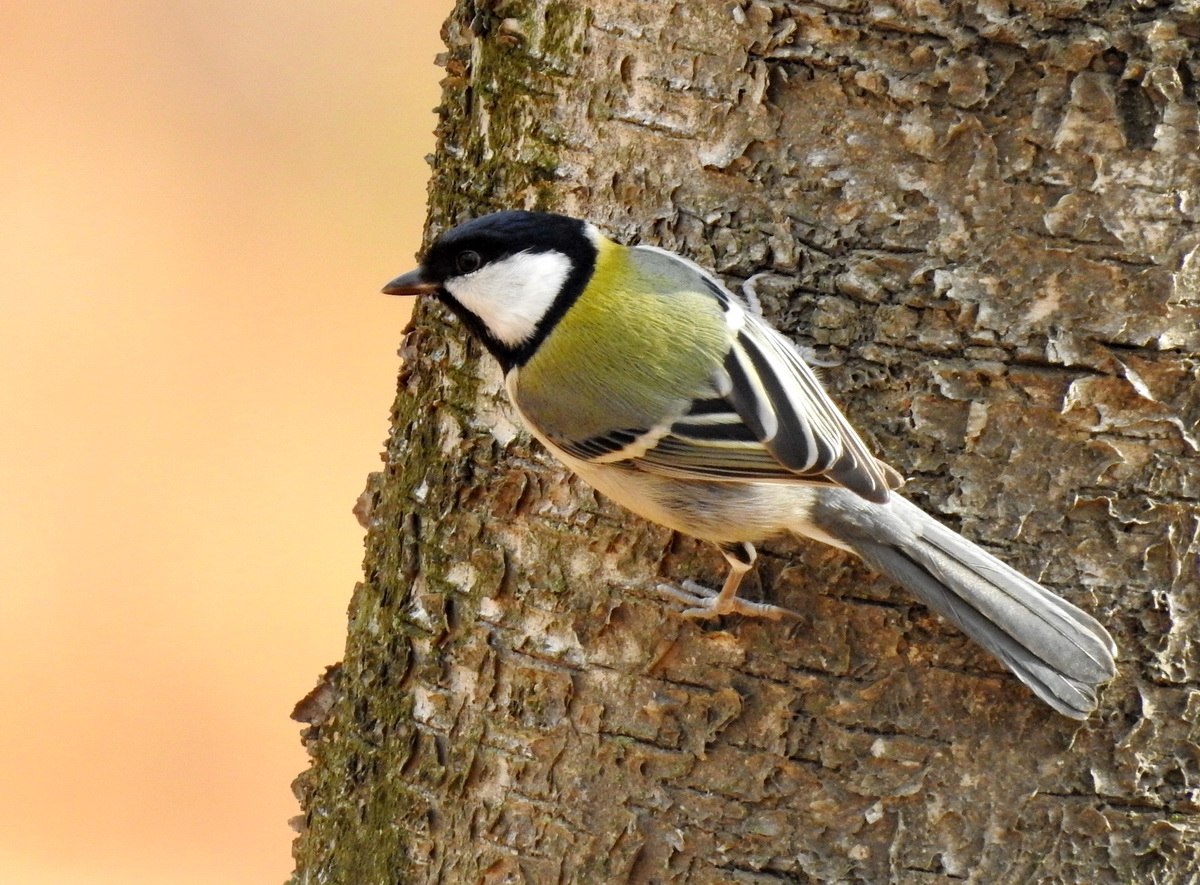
(816, 436)
(765, 417)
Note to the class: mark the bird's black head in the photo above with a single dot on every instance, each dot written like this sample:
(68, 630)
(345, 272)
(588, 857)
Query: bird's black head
(509, 276)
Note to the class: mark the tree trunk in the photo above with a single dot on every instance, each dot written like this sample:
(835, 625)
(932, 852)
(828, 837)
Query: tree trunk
(986, 214)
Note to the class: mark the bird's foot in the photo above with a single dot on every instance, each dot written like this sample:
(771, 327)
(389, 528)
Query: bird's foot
(705, 603)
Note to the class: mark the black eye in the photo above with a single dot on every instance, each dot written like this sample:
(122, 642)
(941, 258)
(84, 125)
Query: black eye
(468, 261)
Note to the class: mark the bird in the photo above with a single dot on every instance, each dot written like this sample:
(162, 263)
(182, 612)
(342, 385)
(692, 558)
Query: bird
(673, 396)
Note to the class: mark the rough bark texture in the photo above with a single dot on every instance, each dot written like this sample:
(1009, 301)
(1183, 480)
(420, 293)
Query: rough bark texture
(988, 213)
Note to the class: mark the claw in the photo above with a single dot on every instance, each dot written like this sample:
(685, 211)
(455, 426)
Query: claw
(705, 603)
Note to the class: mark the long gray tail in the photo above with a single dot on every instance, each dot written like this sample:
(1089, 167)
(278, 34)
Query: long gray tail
(1059, 651)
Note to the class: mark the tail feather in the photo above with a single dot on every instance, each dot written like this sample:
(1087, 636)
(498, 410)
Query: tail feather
(1059, 651)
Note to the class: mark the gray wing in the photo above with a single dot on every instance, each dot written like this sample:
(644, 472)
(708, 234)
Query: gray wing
(770, 421)
(765, 418)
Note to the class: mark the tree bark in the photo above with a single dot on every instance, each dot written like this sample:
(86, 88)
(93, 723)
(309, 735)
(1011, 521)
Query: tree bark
(986, 214)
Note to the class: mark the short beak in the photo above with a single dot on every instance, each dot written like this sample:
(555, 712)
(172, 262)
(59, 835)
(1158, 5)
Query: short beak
(410, 284)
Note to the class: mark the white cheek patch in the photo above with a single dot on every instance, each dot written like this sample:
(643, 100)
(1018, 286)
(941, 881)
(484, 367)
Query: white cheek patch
(512, 295)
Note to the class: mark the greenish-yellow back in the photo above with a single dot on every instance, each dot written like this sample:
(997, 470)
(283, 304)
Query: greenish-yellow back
(644, 338)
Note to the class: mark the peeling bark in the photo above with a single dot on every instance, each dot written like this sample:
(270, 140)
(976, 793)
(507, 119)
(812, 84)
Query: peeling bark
(986, 214)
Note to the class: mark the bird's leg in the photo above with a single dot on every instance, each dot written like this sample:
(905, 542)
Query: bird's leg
(750, 293)
(808, 354)
(707, 603)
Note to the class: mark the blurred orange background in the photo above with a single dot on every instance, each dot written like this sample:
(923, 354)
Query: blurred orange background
(198, 205)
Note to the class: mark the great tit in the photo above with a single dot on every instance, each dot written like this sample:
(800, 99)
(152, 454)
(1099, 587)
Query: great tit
(673, 396)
